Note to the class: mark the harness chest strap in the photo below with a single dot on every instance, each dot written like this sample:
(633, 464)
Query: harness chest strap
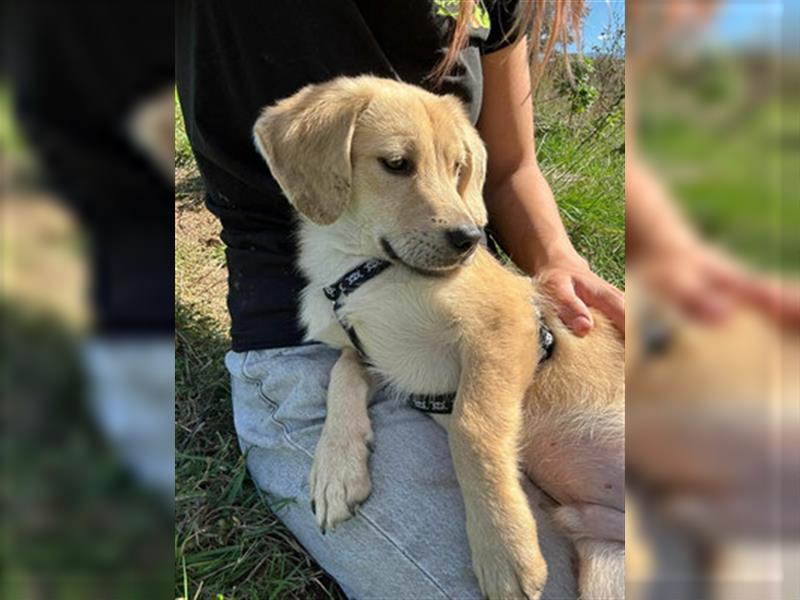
(349, 283)
(354, 279)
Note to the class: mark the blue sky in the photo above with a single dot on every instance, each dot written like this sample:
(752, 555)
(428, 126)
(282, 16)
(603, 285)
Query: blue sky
(735, 23)
(598, 19)
(749, 22)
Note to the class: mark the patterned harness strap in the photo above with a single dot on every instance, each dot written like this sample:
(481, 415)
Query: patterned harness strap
(349, 283)
(354, 279)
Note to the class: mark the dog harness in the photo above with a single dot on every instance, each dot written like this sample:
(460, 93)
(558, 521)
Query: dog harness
(354, 279)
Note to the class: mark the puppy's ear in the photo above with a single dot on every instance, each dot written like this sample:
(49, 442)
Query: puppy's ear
(306, 141)
(475, 176)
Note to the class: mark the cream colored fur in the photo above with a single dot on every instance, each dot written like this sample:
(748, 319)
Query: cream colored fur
(151, 126)
(441, 321)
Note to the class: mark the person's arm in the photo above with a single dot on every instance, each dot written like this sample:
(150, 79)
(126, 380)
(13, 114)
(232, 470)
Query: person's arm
(522, 210)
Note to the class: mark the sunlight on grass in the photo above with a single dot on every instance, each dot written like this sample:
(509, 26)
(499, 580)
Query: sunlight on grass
(183, 151)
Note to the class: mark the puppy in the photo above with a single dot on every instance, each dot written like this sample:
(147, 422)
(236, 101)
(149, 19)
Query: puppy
(383, 170)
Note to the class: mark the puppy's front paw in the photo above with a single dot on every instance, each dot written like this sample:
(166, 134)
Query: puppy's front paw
(505, 571)
(339, 479)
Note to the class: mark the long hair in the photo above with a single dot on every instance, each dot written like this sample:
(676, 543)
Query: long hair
(546, 22)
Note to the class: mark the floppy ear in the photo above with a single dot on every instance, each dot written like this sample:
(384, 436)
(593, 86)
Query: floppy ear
(306, 141)
(470, 186)
(475, 176)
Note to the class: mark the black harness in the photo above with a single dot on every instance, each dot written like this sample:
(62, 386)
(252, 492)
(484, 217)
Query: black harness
(354, 279)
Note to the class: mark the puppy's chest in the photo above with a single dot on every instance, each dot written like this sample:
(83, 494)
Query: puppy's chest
(406, 337)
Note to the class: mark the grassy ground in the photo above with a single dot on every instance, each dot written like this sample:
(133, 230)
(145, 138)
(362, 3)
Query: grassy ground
(226, 540)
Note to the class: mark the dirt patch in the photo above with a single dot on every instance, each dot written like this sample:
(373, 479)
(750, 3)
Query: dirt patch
(201, 277)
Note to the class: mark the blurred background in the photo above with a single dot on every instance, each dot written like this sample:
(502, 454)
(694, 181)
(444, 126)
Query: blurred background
(86, 146)
(712, 303)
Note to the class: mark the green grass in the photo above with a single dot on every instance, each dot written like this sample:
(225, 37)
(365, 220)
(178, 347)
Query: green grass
(227, 541)
(10, 138)
(722, 132)
(183, 151)
(588, 182)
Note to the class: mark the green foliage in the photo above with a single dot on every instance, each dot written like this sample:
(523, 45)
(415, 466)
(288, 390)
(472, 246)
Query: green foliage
(577, 88)
(580, 147)
(12, 142)
(588, 183)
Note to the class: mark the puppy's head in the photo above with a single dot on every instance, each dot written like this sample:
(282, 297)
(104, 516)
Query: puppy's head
(401, 168)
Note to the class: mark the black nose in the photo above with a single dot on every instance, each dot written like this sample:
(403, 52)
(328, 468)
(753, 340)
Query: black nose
(463, 238)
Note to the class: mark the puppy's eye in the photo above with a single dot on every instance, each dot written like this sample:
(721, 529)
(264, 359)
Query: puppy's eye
(397, 165)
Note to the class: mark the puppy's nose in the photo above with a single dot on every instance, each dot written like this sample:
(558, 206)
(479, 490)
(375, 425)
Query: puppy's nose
(463, 238)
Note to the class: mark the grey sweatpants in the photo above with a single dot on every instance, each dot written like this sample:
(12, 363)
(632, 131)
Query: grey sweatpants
(408, 539)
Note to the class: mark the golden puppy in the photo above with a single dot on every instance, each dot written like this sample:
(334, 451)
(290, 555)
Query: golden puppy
(383, 170)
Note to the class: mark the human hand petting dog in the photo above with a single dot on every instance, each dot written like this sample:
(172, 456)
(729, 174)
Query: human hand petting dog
(573, 287)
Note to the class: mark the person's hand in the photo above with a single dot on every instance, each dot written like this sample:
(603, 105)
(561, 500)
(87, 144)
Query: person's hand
(573, 288)
(708, 285)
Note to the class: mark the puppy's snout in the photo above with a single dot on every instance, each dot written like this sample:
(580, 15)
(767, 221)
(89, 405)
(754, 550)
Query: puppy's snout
(463, 238)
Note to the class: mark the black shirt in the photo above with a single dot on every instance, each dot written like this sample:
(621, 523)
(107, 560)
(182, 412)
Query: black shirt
(234, 58)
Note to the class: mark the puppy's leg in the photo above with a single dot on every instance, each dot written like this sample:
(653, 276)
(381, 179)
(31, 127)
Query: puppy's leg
(601, 574)
(339, 479)
(483, 438)
(557, 548)
(599, 535)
